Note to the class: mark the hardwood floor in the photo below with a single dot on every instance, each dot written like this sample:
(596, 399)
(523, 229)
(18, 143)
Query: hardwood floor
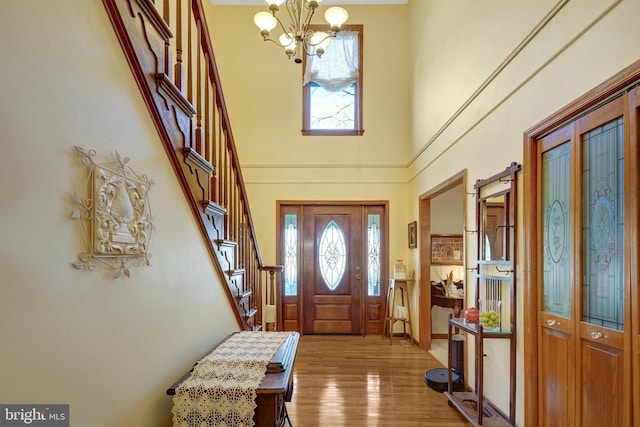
(356, 381)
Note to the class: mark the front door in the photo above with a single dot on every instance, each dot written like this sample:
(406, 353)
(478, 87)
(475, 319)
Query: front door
(332, 269)
(335, 259)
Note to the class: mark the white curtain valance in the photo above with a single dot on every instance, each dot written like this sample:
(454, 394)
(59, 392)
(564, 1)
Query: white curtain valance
(338, 67)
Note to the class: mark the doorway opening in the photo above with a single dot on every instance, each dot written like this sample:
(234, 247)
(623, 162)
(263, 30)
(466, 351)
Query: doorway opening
(442, 212)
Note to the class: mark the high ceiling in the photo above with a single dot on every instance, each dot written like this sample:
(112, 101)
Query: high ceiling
(335, 2)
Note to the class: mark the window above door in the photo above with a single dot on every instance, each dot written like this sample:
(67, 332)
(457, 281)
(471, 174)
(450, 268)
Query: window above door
(332, 87)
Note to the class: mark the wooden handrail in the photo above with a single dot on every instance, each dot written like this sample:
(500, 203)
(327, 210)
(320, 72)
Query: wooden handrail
(168, 47)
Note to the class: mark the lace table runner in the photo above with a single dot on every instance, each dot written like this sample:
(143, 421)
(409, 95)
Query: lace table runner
(221, 390)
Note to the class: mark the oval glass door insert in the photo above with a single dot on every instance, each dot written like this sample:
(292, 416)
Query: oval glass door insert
(332, 255)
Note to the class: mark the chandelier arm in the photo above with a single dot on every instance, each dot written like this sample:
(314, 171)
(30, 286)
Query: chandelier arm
(300, 12)
(299, 22)
(269, 39)
(292, 8)
(306, 52)
(330, 34)
(284, 30)
(310, 14)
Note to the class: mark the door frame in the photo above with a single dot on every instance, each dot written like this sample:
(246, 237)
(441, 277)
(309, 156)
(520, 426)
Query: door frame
(593, 99)
(424, 233)
(384, 258)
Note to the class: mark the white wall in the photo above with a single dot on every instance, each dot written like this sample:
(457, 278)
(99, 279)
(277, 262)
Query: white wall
(109, 348)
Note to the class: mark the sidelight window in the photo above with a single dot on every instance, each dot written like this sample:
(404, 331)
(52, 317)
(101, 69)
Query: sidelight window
(291, 254)
(373, 255)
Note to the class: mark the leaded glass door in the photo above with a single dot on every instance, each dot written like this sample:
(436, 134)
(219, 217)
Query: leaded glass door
(603, 367)
(332, 269)
(556, 310)
(583, 329)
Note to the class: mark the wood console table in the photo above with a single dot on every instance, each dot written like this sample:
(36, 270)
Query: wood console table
(276, 386)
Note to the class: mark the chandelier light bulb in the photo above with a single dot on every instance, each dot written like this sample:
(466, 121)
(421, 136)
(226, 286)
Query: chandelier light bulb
(287, 40)
(320, 40)
(289, 43)
(265, 22)
(336, 16)
(300, 13)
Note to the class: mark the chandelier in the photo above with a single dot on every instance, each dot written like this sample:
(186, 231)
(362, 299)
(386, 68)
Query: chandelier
(297, 37)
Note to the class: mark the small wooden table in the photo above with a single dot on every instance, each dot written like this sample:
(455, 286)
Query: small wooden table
(390, 306)
(276, 386)
(449, 302)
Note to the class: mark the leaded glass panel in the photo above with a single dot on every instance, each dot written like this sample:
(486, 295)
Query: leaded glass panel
(332, 255)
(556, 226)
(603, 225)
(291, 254)
(373, 255)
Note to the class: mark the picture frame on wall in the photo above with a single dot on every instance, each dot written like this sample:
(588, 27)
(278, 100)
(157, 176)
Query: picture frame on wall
(446, 249)
(413, 234)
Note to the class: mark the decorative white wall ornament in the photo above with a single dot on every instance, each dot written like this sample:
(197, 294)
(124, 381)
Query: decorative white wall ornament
(114, 215)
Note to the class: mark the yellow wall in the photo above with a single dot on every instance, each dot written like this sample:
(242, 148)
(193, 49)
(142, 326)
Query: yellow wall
(449, 85)
(109, 348)
(263, 90)
(483, 73)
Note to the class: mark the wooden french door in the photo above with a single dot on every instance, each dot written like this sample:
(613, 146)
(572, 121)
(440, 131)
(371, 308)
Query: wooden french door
(585, 181)
(335, 267)
(332, 269)
(555, 316)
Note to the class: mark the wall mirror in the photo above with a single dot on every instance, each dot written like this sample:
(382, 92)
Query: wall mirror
(495, 215)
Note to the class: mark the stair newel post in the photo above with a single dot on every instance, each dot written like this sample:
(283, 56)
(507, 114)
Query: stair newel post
(271, 312)
(271, 295)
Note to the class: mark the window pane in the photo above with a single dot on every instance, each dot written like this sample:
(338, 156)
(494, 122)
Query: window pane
(332, 86)
(373, 255)
(603, 226)
(556, 223)
(332, 109)
(291, 254)
(332, 255)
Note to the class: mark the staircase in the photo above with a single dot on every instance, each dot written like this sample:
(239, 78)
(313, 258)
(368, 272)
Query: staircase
(167, 45)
